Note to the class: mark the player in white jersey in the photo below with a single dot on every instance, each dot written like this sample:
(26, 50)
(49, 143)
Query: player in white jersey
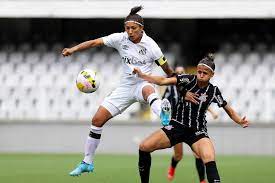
(136, 50)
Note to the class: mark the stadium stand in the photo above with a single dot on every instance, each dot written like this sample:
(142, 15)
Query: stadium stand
(39, 84)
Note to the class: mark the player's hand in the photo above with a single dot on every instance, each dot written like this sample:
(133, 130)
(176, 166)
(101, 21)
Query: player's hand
(137, 71)
(191, 97)
(244, 122)
(67, 52)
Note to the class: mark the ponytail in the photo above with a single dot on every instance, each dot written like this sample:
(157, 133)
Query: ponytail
(134, 17)
(135, 9)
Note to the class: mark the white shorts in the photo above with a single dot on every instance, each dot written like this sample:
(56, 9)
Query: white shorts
(124, 96)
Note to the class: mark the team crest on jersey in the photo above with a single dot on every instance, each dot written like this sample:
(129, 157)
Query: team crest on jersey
(125, 47)
(142, 51)
(203, 97)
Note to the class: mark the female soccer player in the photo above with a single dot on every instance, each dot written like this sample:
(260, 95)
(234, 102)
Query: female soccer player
(136, 50)
(188, 122)
(171, 94)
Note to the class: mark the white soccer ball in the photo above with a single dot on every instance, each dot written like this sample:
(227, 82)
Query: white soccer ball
(87, 81)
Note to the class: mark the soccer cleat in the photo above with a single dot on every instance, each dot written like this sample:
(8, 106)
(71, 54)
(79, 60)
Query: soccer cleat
(81, 168)
(165, 114)
(171, 173)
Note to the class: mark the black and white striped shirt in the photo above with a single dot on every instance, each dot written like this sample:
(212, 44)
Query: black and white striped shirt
(193, 115)
(171, 94)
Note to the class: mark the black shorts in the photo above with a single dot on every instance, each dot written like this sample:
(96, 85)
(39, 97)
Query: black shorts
(178, 133)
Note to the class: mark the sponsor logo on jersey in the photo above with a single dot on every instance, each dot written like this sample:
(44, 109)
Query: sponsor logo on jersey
(184, 80)
(200, 133)
(169, 127)
(142, 51)
(133, 61)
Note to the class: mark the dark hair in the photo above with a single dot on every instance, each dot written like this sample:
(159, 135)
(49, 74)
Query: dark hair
(133, 16)
(208, 60)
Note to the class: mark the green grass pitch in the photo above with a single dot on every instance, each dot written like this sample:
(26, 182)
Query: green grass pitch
(54, 168)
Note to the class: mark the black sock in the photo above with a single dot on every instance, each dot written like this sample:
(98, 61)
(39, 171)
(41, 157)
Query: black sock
(174, 162)
(144, 165)
(200, 169)
(212, 172)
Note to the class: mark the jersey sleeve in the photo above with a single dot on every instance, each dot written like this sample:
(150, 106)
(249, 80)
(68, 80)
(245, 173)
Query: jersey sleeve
(218, 98)
(157, 54)
(112, 40)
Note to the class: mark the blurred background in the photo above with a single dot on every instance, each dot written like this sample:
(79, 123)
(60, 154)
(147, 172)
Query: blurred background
(41, 110)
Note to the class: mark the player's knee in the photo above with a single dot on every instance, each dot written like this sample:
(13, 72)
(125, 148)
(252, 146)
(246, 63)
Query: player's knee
(97, 121)
(207, 157)
(144, 146)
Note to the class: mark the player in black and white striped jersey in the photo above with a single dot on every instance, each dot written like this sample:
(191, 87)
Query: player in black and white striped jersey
(171, 94)
(188, 123)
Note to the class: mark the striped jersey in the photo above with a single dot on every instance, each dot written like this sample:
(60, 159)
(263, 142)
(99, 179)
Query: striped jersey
(193, 115)
(171, 94)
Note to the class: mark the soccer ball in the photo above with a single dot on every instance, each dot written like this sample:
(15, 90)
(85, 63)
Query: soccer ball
(87, 81)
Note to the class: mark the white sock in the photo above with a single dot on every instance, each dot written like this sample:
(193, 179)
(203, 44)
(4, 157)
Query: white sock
(91, 144)
(155, 103)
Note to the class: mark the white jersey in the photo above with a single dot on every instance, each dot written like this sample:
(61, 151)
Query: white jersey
(141, 55)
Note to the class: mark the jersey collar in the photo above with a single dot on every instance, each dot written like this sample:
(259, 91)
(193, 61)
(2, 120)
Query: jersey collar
(143, 37)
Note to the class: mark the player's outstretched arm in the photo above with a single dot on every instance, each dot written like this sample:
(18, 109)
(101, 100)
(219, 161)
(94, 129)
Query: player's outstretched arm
(82, 46)
(235, 117)
(159, 80)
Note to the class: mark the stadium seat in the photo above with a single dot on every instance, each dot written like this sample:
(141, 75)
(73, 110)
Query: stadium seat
(3, 57)
(41, 47)
(235, 58)
(57, 47)
(16, 57)
(82, 58)
(252, 58)
(32, 57)
(226, 48)
(220, 60)
(23, 68)
(9, 47)
(48, 57)
(244, 48)
(24, 47)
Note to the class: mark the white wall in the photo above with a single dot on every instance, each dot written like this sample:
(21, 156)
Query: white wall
(123, 138)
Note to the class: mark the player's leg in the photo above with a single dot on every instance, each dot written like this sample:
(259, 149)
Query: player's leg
(205, 149)
(162, 108)
(100, 118)
(178, 152)
(157, 140)
(108, 109)
(200, 168)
